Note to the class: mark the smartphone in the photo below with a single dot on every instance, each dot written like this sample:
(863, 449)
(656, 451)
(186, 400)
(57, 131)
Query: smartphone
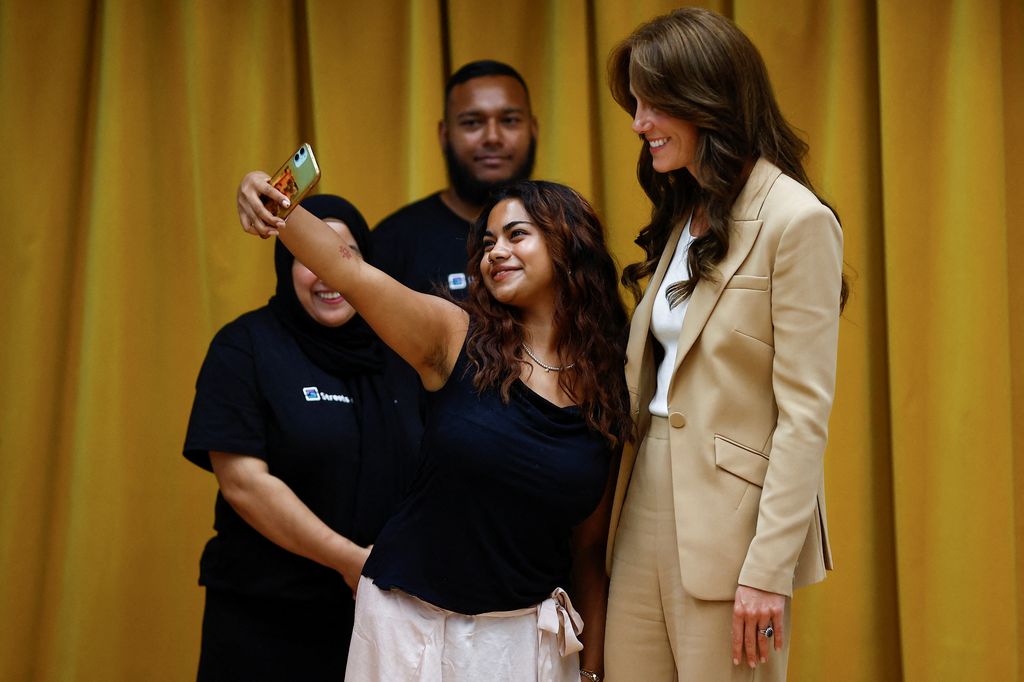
(294, 179)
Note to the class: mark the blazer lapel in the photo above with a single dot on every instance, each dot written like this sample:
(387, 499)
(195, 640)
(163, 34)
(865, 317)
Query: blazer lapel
(744, 228)
(639, 344)
(706, 293)
(640, 378)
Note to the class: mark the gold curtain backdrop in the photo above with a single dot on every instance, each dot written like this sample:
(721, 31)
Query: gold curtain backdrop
(127, 125)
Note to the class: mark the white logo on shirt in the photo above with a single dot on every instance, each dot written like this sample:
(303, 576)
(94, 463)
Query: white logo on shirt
(312, 394)
(457, 280)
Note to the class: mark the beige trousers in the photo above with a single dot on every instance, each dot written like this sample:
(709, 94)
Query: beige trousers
(656, 631)
(399, 638)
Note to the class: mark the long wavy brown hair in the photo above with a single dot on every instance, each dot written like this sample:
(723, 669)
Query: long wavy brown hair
(590, 320)
(697, 66)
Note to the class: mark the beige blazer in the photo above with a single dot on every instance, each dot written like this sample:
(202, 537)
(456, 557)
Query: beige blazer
(750, 396)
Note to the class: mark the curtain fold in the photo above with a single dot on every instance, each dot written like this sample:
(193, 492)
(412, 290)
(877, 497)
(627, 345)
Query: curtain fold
(1013, 128)
(952, 451)
(127, 127)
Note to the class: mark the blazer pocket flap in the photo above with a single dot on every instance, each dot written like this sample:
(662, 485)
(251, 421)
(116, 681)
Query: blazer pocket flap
(748, 282)
(747, 463)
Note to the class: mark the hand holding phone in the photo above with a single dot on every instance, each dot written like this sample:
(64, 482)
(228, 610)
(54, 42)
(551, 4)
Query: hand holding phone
(294, 179)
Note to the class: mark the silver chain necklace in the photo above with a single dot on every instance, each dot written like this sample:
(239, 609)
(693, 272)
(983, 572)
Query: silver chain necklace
(546, 368)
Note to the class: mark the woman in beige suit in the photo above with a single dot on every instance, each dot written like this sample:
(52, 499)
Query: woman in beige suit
(720, 513)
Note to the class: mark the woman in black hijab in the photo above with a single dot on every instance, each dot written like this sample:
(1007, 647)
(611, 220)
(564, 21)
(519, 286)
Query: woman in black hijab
(297, 414)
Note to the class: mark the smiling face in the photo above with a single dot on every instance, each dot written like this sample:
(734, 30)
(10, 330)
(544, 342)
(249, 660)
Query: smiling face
(321, 302)
(516, 266)
(488, 130)
(672, 141)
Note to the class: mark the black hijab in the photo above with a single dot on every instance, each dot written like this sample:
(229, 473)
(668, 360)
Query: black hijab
(342, 351)
(353, 352)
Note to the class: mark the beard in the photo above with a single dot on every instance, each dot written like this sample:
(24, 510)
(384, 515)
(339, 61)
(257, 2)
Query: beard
(474, 191)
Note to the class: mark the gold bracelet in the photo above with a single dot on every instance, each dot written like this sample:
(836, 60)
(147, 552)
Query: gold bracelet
(590, 675)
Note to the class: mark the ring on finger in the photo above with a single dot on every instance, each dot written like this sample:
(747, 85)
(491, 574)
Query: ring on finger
(767, 631)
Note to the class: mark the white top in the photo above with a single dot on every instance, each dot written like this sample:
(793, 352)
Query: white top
(667, 323)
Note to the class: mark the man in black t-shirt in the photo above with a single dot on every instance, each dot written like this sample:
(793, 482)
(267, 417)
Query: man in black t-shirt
(488, 137)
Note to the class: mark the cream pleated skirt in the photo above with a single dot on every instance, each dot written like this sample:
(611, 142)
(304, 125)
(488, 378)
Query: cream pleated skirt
(398, 638)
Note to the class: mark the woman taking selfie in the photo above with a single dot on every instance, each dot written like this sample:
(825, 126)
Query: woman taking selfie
(719, 513)
(526, 414)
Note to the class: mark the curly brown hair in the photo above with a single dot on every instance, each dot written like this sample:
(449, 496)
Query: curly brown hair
(697, 66)
(590, 320)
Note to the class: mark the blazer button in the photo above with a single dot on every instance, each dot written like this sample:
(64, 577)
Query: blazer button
(677, 420)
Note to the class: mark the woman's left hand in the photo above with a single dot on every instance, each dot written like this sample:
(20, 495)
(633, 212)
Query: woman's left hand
(353, 566)
(753, 611)
(351, 570)
(252, 213)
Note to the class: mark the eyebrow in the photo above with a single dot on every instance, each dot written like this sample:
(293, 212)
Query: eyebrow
(481, 112)
(508, 226)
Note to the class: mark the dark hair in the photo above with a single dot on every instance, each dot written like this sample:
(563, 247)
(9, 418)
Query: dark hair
(480, 69)
(696, 65)
(590, 320)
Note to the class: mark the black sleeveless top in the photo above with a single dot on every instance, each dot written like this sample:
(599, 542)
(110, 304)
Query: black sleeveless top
(487, 524)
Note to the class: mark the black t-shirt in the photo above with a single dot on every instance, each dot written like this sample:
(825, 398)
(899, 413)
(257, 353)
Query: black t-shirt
(423, 245)
(258, 394)
(487, 526)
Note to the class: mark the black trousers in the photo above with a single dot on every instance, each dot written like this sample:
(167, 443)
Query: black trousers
(251, 639)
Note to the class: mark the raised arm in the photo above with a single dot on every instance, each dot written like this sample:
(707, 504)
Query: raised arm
(427, 331)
